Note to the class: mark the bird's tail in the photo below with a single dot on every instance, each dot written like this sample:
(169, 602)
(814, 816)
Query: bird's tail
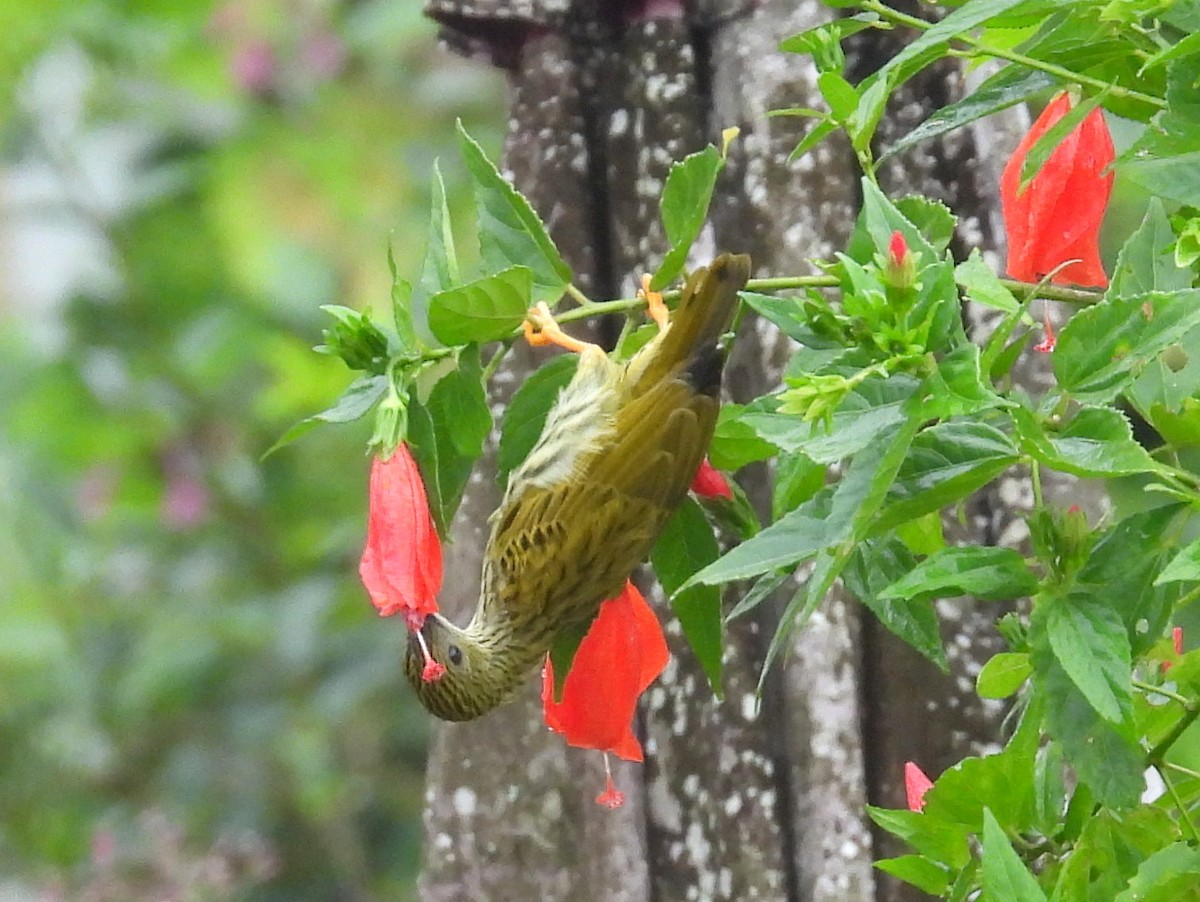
(704, 314)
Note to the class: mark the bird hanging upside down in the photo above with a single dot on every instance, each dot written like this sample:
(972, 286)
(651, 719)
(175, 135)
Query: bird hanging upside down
(619, 449)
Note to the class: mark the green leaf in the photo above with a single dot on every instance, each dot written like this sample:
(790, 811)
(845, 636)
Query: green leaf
(562, 653)
(1003, 674)
(785, 543)
(1005, 876)
(487, 309)
(1091, 646)
(1121, 568)
(839, 94)
(982, 285)
(510, 232)
(1171, 874)
(687, 544)
(874, 406)
(1184, 567)
(359, 397)
(873, 566)
(787, 313)
(922, 873)
(1008, 87)
(446, 435)
(735, 443)
(526, 413)
(1102, 347)
(1106, 759)
(946, 464)
(957, 387)
(1096, 442)
(1147, 260)
(936, 839)
(797, 478)
(685, 199)
(439, 271)
(1048, 142)
(987, 573)
(818, 133)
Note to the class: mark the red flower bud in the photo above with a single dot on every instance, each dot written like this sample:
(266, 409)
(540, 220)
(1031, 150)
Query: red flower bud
(711, 483)
(916, 784)
(401, 564)
(1057, 217)
(622, 654)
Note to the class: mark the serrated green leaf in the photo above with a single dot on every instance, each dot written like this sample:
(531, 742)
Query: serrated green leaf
(1101, 348)
(1096, 442)
(957, 387)
(359, 397)
(947, 463)
(562, 653)
(685, 545)
(1005, 876)
(526, 413)
(1105, 758)
(510, 233)
(1003, 674)
(936, 839)
(874, 406)
(1147, 260)
(784, 544)
(873, 566)
(687, 193)
(797, 478)
(1091, 645)
(484, 310)
(986, 573)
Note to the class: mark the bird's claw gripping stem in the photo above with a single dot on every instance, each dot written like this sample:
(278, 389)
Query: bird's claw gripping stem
(542, 330)
(656, 307)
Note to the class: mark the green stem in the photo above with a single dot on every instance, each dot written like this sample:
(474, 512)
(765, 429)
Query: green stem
(782, 283)
(497, 358)
(1166, 693)
(1186, 771)
(1079, 296)
(578, 296)
(1183, 811)
(1012, 56)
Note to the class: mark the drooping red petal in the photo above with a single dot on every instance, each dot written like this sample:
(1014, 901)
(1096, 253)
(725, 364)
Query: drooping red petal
(916, 784)
(401, 565)
(622, 654)
(1057, 218)
(709, 482)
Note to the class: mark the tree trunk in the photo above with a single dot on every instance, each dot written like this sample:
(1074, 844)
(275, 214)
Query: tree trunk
(736, 800)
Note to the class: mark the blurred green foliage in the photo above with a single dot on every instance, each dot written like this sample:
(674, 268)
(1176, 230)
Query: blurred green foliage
(194, 691)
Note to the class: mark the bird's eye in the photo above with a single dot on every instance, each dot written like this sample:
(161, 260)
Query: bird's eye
(454, 653)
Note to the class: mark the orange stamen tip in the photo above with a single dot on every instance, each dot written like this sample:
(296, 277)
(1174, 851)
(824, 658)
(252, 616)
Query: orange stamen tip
(611, 797)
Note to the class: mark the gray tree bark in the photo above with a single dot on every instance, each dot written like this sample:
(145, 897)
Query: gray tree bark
(737, 800)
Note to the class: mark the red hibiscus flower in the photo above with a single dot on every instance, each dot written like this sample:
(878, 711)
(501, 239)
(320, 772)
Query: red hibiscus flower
(401, 564)
(916, 784)
(622, 654)
(710, 482)
(1057, 217)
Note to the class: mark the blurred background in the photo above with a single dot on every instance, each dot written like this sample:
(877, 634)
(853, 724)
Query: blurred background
(197, 700)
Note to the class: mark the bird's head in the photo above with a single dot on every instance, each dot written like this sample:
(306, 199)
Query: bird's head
(479, 674)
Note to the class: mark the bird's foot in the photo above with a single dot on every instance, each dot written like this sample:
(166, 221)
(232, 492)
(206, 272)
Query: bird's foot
(656, 307)
(542, 330)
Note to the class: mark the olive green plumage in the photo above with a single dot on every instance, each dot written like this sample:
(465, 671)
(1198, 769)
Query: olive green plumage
(615, 459)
